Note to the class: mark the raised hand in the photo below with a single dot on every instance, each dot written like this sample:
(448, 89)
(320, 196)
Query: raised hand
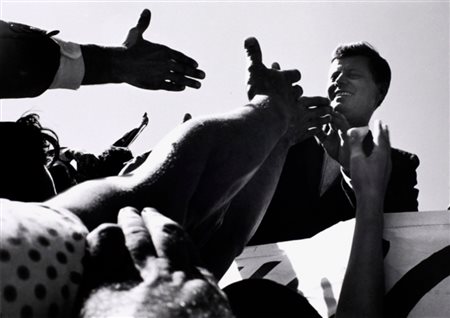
(154, 66)
(335, 140)
(370, 174)
(269, 81)
(157, 273)
(310, 114)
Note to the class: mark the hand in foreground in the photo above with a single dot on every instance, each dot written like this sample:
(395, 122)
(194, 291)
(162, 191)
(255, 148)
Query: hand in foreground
(269, 81)
(310, 114)
(155, 275)
(154, 66)
(370, 174)
(335, 140)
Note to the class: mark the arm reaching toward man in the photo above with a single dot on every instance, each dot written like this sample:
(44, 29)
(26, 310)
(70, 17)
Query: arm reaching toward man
(141, 63)
(32, 61)
(194, 173)
(363, 287)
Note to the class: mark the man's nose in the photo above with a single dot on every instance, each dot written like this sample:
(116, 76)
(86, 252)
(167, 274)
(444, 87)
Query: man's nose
(341, 79)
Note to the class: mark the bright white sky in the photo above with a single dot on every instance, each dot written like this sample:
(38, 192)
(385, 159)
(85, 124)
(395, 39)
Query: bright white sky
(412, 36)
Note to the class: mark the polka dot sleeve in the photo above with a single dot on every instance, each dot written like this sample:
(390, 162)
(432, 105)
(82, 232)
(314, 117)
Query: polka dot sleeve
(41, 252)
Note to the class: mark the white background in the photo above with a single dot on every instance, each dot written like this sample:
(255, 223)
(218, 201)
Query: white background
(412, 36)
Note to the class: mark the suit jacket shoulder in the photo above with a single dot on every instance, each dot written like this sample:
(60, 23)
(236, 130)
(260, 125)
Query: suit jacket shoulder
(402, 194)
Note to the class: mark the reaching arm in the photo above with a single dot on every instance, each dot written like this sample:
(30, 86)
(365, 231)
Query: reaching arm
(140, 63)
(363, 287)
(32, 62)
(248, 207)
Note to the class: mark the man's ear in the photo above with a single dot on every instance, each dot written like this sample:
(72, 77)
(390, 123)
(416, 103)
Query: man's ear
(382, 91)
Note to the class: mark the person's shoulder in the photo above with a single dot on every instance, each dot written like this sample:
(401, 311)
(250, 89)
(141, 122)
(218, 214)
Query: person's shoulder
(402, 157)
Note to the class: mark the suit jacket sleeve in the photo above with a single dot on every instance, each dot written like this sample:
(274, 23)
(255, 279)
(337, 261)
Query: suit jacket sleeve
(401, 193)
(29, 59)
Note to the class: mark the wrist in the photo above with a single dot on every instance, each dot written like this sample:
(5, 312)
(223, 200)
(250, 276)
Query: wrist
(102, 64)
(370, 199)
(271, 108)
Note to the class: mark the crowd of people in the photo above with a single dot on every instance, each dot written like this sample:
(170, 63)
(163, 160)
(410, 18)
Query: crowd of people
(117, 236)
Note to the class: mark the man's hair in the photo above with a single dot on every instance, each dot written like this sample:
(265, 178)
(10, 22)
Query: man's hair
(378, 66)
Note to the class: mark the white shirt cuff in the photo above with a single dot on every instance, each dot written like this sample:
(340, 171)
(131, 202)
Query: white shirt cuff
(70, 73)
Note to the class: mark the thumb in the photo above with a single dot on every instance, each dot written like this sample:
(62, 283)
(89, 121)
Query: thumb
(253, 51)
(355, 138)
(135, 33)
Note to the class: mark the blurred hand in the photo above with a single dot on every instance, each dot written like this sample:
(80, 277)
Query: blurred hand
(335, 140)
(154, 66)
(88, 165)
(151, 269)
(370, 174)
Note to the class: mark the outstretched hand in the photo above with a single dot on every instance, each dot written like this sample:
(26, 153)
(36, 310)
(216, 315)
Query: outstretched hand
(370, 174)
(269, 81)
(148, 264)
(154, 66)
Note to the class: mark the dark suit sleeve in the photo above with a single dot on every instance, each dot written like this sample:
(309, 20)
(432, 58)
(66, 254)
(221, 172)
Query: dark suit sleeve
(402, 194)
(29, 59)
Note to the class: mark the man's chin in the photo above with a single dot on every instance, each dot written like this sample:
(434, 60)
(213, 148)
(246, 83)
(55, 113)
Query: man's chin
(337, 106)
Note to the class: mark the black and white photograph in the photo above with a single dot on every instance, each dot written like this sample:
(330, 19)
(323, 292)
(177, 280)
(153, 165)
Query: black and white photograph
(225, 158)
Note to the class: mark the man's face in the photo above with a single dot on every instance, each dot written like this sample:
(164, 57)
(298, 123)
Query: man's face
(352, 90)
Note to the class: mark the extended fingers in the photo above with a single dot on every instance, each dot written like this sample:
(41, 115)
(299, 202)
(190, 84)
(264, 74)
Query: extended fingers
(291, 76)
(170, 241)
(182, 58)
(318, 101)
(186, 70)
(182, 80)
(381, 136)
(137, 237)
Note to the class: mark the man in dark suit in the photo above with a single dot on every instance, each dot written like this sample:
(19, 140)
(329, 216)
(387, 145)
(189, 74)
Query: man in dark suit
(314, 190)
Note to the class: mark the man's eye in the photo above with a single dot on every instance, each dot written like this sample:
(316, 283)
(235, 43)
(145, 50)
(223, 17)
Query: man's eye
(353, 75)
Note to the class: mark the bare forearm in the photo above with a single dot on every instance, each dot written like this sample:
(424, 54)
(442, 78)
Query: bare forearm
(245, 213)
(192, 172)
(363, 288)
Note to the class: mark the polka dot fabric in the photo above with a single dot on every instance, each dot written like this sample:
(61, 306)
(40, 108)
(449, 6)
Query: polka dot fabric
(41, 252)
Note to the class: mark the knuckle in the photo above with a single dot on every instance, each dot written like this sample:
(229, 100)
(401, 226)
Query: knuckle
(173, 230)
